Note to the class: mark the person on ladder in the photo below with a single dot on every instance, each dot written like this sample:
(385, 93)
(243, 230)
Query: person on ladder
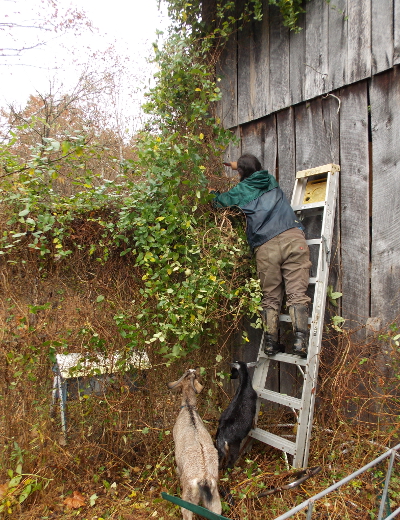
(278, 241)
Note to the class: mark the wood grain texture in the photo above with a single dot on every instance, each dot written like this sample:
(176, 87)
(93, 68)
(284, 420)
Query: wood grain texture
(317, 133)
(227, 70)
(245, 74)
(286, 151)
(317, 143)
(251, 139)
(278, 61)
(354, 205)
(260, 64)
(266, 68)
(385, 122)
(382, 35)
(359, 40)
(297, 62)
(269, 144)
(396, 32)
(337, 50)
(317, 30)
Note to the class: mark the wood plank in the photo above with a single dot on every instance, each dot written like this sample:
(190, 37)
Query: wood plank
(286, 160)
(251, 139)
(396, 33)
(317, 143)
(385, 122)
(260, 64)
(316, 79)
(354, 194)
(259, 139)
(359, 40)
(319, 169)
(227, 70)
(317, 136)
(337, 51)
(297, 62)
(278, 61)
(382, 35)
(269, 143)
(245, 93)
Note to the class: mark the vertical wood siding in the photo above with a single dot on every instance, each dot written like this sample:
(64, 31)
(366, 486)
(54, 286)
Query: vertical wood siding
(340, 43)
(357, 127)
(385, 260)
(354, 205)
(382, 35)
(396, 33)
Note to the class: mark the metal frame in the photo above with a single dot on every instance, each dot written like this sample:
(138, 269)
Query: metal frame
(309, 503)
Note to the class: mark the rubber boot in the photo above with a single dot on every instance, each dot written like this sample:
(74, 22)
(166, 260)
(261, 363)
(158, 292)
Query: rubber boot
(270, 318)
(299, 317)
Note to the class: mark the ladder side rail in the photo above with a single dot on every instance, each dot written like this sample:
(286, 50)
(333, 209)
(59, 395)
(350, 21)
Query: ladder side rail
(330, 226)
(310, 382)
(259, 378)
(298, 192)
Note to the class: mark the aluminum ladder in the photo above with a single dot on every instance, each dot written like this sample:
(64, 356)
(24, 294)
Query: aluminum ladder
(314, 194)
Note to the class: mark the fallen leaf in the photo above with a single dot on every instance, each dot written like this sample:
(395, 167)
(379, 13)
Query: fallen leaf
(77, 500)
(3, 490)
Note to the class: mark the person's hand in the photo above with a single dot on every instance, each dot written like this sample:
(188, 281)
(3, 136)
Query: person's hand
(232, 165)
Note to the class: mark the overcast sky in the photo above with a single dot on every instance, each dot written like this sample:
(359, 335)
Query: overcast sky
(130, 26)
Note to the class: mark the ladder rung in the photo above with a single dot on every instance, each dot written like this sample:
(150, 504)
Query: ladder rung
(312, 205)
(276, 397)
(314, 241)
(273, 440)
(286, 358)
(311, 172)
(286, 317)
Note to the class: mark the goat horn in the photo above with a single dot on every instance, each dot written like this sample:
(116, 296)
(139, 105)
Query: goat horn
(197, 387)
(176, 383)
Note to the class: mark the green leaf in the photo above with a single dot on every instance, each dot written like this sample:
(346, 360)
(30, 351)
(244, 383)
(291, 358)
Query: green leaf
(25, 493)
(99, 298)
(23, 212)
(65, 146)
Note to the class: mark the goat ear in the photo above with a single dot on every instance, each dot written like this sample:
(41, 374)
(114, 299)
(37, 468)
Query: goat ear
(197, 386)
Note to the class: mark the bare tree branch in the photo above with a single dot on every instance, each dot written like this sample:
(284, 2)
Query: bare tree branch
(21, 49)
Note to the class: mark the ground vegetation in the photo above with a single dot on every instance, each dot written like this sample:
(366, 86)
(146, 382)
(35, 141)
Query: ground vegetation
(110, 246)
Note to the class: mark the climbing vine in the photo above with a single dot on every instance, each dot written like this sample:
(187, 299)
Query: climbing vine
(194, 263)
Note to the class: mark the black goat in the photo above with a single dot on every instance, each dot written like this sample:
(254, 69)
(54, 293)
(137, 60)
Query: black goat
(238, 419)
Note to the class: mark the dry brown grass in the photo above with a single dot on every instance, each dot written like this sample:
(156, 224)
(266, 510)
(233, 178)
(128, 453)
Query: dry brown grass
(119, 447)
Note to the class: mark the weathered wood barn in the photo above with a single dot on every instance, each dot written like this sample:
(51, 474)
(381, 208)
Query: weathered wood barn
(329, 94)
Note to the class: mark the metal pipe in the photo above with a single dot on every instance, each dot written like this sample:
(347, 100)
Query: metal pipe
(307, 502)
(395, 513)
(386, 487)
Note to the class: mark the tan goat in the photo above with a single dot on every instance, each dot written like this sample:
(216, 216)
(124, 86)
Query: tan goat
(195, 455)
